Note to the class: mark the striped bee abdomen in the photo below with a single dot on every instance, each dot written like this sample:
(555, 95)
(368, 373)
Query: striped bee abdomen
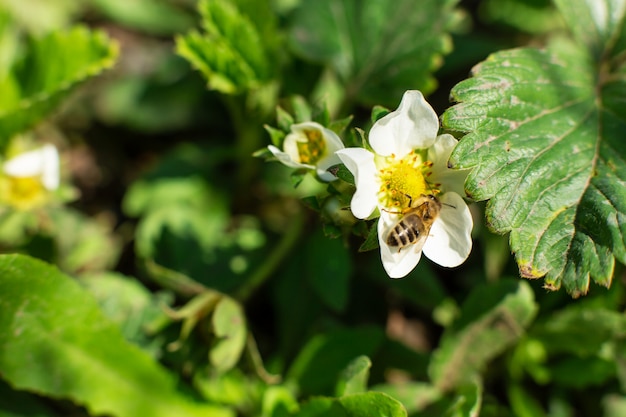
(406, 231)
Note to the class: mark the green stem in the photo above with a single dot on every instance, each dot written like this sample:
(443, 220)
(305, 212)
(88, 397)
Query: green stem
(286, 243)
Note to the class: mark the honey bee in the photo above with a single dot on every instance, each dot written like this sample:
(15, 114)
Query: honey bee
(414, 225)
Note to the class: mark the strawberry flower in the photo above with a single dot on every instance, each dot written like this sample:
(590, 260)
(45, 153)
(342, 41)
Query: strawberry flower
(410, 161)
(310, 146)
(29, 177)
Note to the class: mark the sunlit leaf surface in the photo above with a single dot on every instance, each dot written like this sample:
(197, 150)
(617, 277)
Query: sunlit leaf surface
(546, 146)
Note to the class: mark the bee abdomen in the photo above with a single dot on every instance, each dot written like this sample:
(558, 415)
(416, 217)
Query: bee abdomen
(404, 233)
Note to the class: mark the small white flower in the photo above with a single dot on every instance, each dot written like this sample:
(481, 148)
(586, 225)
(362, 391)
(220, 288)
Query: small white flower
(27, 177)
(410, 161)
(310, 146)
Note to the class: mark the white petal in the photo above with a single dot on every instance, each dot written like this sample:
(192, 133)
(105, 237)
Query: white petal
(286, 159)
(333, 142)
(27, 164)
(51, 172)
(361, 164)
(397, 263)
(326, 163)
(450, 242)
(413, 125)
(42, 162)
(451, 180)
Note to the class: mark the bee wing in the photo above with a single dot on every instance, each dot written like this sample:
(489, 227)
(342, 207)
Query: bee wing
(421, 240)
(419, 244)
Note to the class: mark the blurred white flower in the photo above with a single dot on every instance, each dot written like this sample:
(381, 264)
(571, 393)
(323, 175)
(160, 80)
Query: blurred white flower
(28, 177)
(310, 146)
(410, 162)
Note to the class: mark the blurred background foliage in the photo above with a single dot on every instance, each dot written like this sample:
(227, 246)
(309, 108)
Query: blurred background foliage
(220, 273)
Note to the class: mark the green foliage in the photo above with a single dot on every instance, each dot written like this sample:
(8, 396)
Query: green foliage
(71, 343)
(54, 64)
(361, 42)
(545, 129)
(229, 327)
(179, 275)
(156, 17)
(492, 319)
(236, 52)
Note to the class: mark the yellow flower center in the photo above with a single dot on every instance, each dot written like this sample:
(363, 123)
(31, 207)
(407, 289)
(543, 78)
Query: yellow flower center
(23, 192)
(313, 149)
(404, 180)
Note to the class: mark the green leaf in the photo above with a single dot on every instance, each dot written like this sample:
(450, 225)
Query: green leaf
(468, 401)
(55, 341)
(492, 319)
(21, 404)
(566, 372)
(154, 17)
(127, 303)
(371, 241)
(580, 331)
(378, 47)
(321, 361)
(50, 68)
(90, 247)
(415, 396)
(546, 147)
(534, 16)
(229, 327)
(236, 52)
(372, 404)
(596, 24)
(328, 268)
(42, 16)
(353, 380)
(278, 401)
(356, 405)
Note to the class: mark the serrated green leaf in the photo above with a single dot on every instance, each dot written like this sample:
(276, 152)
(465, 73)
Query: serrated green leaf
(546, 148)
(235, 53)
(229, 327)
(51, 67)
(353, 379)
(55, 341)
(378, 47)
(492, 319)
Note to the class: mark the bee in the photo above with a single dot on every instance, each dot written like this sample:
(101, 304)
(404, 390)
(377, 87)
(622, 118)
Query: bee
(414, 225)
